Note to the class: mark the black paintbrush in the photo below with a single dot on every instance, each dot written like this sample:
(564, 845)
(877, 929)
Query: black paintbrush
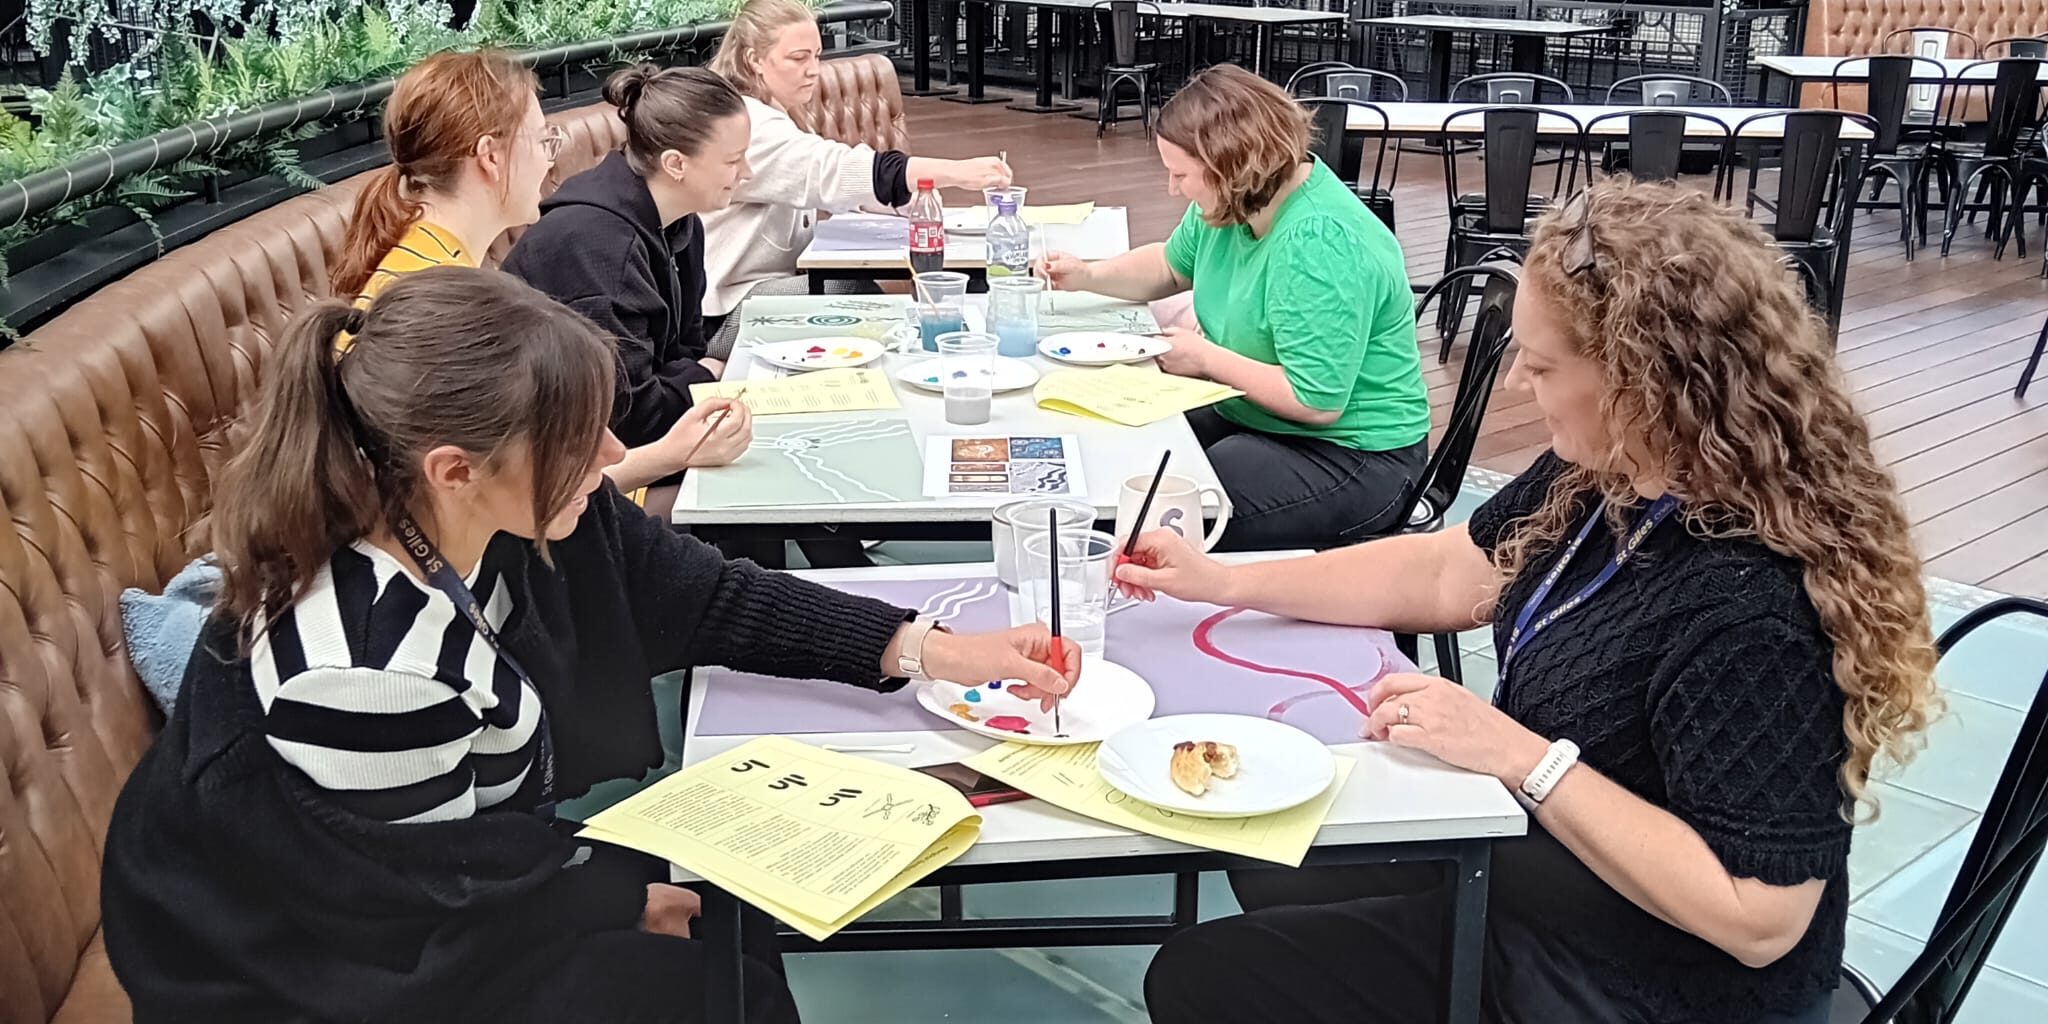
(1145, 507)
(1059, 655)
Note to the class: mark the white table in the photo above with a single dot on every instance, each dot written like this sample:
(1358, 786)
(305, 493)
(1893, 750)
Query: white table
(1263, 19)
(1105, 233)
(1397, 805)
(1528, 39)
(1415, 120)
(1798, 71)
(1110, 453)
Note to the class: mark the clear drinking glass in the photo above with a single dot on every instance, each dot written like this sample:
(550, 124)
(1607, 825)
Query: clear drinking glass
(1013, 522)
(939, 298)
(967, 373)
(1084, 583)
(1013, 314)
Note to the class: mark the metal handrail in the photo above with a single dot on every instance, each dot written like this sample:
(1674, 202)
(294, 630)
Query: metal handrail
(46, 190)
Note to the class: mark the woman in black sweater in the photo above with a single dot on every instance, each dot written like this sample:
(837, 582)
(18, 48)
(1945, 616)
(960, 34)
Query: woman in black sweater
(436, 620)
(622, 243)
(1710, 623)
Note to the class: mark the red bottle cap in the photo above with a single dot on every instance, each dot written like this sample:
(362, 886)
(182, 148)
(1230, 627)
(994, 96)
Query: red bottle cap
(926, 184)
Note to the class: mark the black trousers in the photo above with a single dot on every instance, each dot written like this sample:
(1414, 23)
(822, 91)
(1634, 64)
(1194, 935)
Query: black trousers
(1364, 945)
(1300, 492)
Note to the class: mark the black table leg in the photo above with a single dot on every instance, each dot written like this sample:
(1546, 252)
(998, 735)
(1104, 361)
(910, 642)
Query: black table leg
(978, 13)
(1465, 942)
(724, 977)
(1262, 51)
(1525, 54)
(921, 53)
(1440, 65)
(1070, 30)
(1043, 103)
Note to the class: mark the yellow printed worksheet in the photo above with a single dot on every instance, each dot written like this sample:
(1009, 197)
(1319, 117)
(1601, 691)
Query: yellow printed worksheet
(847, 390)
(1066, 777)
(813, 837)
(1127, 394)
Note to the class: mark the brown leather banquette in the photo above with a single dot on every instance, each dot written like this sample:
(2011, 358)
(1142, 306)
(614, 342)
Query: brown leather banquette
(1859, 27)
(113, 425)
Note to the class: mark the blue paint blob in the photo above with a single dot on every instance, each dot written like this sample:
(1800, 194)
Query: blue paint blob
(1066, 351)
(996, 685)
(973, 696)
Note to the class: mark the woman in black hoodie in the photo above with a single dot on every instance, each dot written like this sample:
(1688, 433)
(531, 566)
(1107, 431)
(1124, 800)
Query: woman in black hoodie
(622, 244)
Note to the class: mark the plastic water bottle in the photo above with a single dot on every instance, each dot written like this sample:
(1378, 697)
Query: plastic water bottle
(1009, 241)
(927, 229)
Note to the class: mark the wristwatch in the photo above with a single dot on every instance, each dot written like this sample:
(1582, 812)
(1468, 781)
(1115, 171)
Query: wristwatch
(910, 656)
(1556, 761)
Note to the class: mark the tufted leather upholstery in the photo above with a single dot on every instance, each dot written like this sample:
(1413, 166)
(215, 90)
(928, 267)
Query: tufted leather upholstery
(113, 424)
(1858, 27)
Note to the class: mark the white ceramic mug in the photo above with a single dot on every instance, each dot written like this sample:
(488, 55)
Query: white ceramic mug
(1177, 507)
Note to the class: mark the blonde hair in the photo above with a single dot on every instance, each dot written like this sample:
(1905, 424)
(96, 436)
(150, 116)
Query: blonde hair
(1712, 360)
(1247, 132)
(754, 28)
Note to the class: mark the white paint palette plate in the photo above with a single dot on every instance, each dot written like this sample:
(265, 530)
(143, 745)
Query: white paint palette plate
(1279, 766)
(1010, 375)
(836, 353)
(1109, 699)
(1100, 348)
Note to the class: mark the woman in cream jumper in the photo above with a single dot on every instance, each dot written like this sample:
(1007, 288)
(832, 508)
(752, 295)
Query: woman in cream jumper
(771, 55)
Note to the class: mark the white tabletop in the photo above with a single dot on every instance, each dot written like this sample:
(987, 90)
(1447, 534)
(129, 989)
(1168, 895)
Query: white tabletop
(1496, 26)
(1822, 68)
(1428, 119)
(1110, 452)
(1260, 15)
(1106, 233)
(1393, 795)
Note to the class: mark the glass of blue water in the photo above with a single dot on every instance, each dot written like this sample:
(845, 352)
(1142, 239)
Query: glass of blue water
(937, 300)
(1013, 314)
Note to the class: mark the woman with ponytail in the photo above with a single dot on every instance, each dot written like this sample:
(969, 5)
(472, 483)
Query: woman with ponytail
(622, 243)
(437, 620)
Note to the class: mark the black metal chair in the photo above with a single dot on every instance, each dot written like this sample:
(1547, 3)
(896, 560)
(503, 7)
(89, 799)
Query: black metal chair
(1120, 64)
(1901, 152)
(1338, 80)
(1332, 143)
(1497, 219)
(2015, 106)
(2003, 853)
(1658, 141)
(1512, 87)
(2040, 343)
(2018, 46)
(1954, 42)
(1672, 91)
(1430, 498)
(1811, 209)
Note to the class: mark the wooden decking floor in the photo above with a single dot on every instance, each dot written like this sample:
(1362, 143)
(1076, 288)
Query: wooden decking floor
(1932, 348)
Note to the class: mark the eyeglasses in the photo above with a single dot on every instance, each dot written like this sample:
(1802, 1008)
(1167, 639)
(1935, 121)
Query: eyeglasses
(552, 138)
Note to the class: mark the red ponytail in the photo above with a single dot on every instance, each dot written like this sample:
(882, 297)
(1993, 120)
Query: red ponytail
(382, 216)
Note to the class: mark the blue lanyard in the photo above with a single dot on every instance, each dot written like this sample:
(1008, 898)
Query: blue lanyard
(1527, 624)
(428, 558)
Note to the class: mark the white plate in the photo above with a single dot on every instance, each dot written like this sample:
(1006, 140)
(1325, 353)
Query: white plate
(821, 353)
(1100, 348)
(968, 220)
(1010, 375)
(1110, 698)
(1278, 765)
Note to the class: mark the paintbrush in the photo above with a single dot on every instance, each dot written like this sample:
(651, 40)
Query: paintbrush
(1052, 533)
(1145, 507)
(710, 428)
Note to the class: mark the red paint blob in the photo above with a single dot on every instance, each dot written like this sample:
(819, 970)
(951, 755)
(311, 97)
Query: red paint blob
(1009, 723)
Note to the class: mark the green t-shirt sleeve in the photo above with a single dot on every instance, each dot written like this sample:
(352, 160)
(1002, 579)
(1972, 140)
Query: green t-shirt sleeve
(1186, 243)
(1320, 305)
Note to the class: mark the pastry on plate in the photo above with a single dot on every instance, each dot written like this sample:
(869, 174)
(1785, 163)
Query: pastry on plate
(1196, 762)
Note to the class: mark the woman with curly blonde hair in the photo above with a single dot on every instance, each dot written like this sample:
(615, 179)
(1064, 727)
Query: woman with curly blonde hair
(1710, 625)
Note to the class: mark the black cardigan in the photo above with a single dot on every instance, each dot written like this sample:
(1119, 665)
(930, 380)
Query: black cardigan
(600, 249)
(233, 890)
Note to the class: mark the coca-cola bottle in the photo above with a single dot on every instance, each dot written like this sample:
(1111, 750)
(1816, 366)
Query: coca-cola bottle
(927, 229)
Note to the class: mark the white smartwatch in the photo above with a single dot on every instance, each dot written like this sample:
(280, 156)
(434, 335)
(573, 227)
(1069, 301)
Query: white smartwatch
(1556, 761)
(910, 657)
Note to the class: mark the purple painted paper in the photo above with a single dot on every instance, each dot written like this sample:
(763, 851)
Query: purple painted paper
(1157, 641)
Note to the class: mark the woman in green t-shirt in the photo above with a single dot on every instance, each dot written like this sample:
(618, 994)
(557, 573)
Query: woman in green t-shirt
(1301, 301)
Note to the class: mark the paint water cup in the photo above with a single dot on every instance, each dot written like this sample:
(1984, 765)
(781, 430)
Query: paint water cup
(1177, 507)
(1013, 314)
(1020, 519)
(1084, 583)
(967, 373)
(1014, 193)
(939, 299)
